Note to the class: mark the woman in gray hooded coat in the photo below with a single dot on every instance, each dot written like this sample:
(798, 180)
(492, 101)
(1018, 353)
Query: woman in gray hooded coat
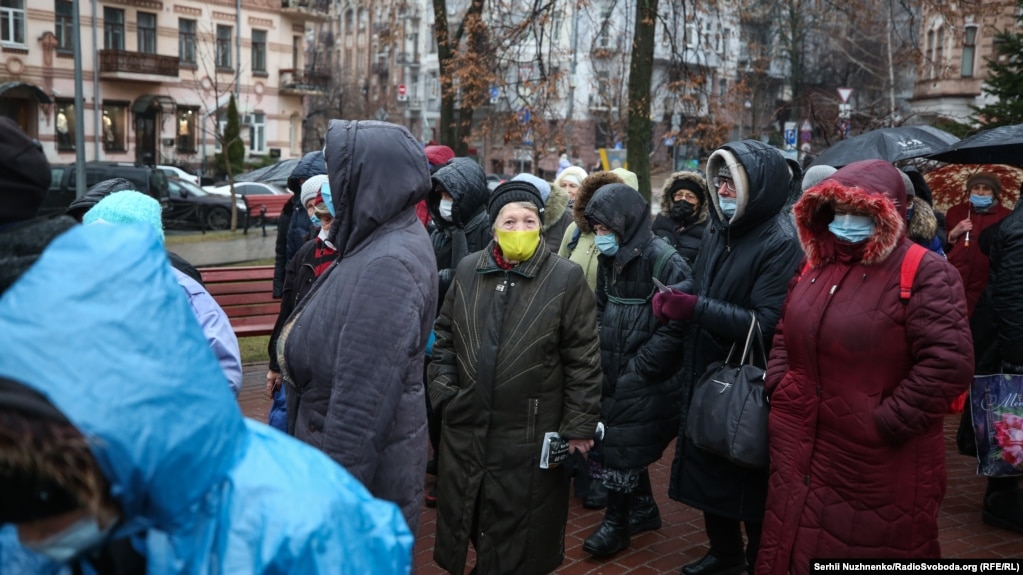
(353, 349)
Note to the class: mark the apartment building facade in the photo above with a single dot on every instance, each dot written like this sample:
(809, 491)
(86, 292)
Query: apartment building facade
(157, 76)
(955, 47)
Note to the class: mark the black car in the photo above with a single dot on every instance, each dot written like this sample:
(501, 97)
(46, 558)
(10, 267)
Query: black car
(147, 180)
(193, 207)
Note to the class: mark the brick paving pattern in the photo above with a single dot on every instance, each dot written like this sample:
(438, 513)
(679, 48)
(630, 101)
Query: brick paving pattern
(681, 539)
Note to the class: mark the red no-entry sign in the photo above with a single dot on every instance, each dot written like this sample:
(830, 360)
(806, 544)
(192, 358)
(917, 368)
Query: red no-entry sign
(401, 89)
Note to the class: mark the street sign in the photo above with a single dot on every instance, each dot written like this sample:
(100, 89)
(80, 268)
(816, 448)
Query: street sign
(806, 131)
(402, 90)
(844, 111)
(790, 135)
(494, 94)
(844, 94)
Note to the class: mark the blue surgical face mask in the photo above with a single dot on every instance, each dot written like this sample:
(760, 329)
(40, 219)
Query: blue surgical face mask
(981, 202)
(327, 198)
(852, 228)
(79, 537)
(727, 206)
(315, 221)
(607, 244)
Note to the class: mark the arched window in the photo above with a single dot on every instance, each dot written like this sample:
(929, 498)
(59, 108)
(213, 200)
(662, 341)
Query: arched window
(349, 21)
(939, 51)
(929, 55)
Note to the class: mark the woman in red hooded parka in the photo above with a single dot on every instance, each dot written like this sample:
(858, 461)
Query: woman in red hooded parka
(860, 381)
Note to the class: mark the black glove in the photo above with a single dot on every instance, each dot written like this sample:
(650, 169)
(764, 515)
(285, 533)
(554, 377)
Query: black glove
(1012, 368)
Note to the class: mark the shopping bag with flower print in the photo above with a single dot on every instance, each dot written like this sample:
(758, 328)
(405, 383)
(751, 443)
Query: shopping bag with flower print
(996, 402)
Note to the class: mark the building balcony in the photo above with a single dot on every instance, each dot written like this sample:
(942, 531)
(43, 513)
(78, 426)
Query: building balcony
(138, 67)
(307, 9)
(298, 83)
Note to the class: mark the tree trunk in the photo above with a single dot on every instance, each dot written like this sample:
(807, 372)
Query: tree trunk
(454, 129)
(641, 67)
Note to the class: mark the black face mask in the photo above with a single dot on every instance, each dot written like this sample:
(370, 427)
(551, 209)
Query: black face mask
(682, 211)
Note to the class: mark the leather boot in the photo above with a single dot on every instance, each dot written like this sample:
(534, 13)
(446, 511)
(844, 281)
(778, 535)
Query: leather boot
(711, 564)
(1003, 506)
(644, 516)
(597, 498)
(613, 534)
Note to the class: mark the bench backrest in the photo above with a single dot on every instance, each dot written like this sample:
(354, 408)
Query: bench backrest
(274, 204)
(246, 295)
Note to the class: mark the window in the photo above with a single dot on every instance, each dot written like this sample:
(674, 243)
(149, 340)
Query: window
(64, 125)
(223, 47)
(604, 35)
(969, 50)
(722, 87)
(296, 49)
(930, 54)
(12, 21)
(939, 56)
(692, 34)
(349, 20)
(257, 133)
(259, 51)
(186, 127)
(113, 29)
(114, 115)
(147, 33)
(62, 25)
(186, 41)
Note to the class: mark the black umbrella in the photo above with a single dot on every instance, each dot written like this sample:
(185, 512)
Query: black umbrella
(889, 144)
(1001, 145)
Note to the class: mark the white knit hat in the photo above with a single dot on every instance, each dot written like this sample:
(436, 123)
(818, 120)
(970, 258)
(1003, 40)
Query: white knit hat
(311, 187)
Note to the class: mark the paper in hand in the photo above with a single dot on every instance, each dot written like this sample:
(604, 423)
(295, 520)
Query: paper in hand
(660, 286)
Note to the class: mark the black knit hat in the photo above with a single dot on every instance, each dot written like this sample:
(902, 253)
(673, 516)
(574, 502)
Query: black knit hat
(27, 496)
(24, 174)
(692, 186)
(513, 191)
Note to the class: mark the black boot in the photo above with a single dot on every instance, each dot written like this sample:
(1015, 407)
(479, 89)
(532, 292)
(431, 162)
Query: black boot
(1003, 504)
(613, 534)
(644, 515)
(597, 498)
(711, 564)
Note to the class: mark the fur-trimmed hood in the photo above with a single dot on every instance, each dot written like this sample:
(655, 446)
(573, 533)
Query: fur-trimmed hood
(590, 185)
(668, 201)
(555, 206)
(871, 186)
(923, 224)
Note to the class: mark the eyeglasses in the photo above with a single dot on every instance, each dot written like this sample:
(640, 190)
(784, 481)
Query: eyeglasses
(685, 195)
(718, 181)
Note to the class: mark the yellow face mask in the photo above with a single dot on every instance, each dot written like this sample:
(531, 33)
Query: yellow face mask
(518, 246)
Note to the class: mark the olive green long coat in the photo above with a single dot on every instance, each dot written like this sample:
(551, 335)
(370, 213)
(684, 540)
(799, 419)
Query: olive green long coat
(516, 356)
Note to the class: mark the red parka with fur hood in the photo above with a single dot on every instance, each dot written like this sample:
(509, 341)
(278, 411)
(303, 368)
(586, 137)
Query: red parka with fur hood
(860, 382)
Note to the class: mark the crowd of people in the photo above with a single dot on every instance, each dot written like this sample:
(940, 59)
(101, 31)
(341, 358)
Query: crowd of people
(507, 343)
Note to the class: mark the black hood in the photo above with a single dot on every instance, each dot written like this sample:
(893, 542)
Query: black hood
(626, 213)
(310, 165)
(378, 172)
(464, 179)
(762, 180)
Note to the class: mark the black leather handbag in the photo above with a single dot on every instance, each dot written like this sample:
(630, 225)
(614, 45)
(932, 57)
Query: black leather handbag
(728, 412)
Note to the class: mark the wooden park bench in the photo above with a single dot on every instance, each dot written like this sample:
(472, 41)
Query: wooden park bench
(246, 294)
(264, 207)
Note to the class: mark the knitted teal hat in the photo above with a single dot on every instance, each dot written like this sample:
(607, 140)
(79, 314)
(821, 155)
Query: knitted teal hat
(127, 207)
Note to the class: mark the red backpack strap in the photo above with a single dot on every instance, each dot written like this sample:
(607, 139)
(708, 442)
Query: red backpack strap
(910, 263)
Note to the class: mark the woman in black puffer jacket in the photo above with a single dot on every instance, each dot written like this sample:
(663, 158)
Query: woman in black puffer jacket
(642, 393)
(683, 216)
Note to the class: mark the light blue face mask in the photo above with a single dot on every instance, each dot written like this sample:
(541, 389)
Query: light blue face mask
(327, 199)
(852, 228)
(315, 221)
(981, 202)
(79, 537)
(607, 244)
(727, 206)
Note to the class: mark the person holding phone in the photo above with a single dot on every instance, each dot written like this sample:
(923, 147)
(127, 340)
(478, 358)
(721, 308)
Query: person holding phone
(642, 390)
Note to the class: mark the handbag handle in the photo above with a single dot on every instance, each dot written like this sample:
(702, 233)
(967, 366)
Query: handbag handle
(748, 349)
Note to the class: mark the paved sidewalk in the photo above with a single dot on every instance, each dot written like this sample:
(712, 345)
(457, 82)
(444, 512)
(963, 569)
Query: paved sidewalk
(681, 538)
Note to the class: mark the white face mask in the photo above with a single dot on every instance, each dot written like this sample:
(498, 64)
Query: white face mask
(79, 537)
(445, 209)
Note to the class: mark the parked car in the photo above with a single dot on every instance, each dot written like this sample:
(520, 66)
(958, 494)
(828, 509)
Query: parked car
(247, 189)
(194, 207)
(176, 172)
(147, 179)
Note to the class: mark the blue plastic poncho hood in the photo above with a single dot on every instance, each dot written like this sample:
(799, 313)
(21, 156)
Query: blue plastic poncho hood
(100, 327)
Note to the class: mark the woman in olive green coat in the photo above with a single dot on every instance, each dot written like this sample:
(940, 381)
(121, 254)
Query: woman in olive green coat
(516, 357)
